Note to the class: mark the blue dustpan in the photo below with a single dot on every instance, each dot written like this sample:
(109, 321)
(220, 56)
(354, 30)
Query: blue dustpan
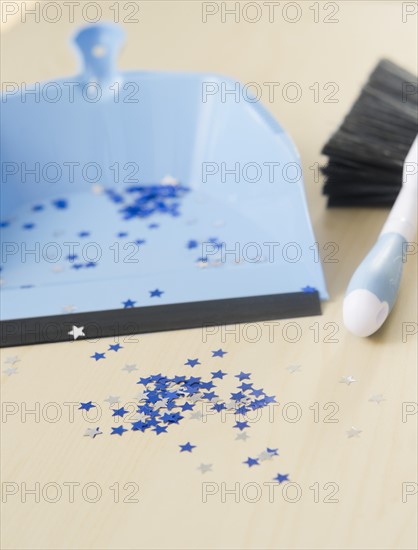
(144, 201)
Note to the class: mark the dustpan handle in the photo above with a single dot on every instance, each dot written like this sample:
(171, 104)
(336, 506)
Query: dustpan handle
(99, 46)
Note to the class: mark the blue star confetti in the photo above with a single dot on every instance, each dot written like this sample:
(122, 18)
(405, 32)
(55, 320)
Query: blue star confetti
(143, 201)
(158, 429)
(86, 406)
(61, 204)
(97, 356)
(118, 431)
(219, 353)
(241, 425)
(156, 293)
(218, 374)
(192, 362)
(128, 303)
(251, 462)
(281, 478)
(309, 289)
(274, 452)
(163, 400)
(120, 412)
(237, 396)
(187, 447)
(243, 376)
(115, 347)
(192, 244)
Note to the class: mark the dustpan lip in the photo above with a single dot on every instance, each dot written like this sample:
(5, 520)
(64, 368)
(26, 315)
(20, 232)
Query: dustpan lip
(180, 316)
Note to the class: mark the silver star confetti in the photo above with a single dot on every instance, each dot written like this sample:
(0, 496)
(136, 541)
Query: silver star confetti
(10, 371)
(169, 180)
(215, 400)
(378, 398)
(97, 189)
(197, 415)
(347, 380)
(353, 432)
(92, 432)
(242, 436)
(141, 396)
(139, 416)
(205, 468)
(265, 455)
(195, 398)
(293, 368)
(202, 265)
(112, 399)
(161, 404)
(129, 368)
(58, 268)
(76, 332)
(12, 360)
(68, 308)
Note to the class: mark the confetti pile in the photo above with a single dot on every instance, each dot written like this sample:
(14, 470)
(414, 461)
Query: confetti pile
(163, 402)
(149, 199)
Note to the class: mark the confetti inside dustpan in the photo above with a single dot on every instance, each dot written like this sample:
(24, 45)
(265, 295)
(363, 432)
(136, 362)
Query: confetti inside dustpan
(120, 213)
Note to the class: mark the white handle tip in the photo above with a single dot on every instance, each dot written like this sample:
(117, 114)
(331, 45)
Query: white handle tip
(363, 312)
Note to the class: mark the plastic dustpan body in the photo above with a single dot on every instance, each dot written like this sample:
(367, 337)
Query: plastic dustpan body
(95, 234)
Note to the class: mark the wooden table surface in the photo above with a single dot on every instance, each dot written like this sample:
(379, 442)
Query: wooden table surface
(61, 490)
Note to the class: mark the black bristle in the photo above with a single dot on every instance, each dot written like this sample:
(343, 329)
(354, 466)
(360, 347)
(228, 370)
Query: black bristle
(366, 154)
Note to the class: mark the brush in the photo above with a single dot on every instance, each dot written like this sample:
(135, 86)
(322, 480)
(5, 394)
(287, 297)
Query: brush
(373, 162)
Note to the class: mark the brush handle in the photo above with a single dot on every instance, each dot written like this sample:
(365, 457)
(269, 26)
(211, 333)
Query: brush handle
(374, 286)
